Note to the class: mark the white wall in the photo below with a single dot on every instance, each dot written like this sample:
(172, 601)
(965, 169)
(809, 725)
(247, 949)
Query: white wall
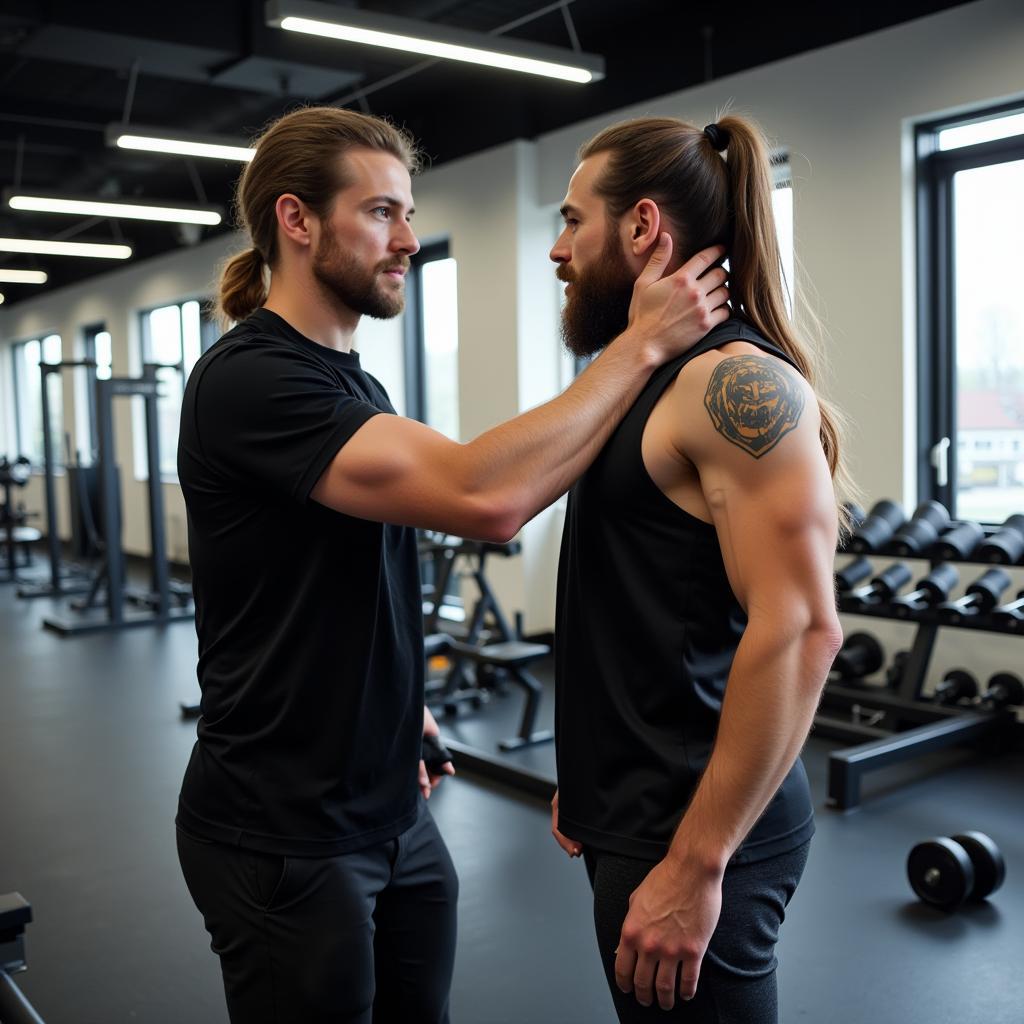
(845, 115)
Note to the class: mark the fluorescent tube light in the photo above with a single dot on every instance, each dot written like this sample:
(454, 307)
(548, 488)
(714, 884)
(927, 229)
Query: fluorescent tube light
(23, 276)
(163, 140)
(46, 248)
(432, 40)
(167, 212)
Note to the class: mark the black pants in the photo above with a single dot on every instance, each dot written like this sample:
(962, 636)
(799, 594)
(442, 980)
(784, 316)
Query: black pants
(737, 978)
(363, 937)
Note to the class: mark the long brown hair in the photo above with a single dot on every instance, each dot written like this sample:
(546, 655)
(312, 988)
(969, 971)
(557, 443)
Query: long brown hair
(714, 197)
(298, 153)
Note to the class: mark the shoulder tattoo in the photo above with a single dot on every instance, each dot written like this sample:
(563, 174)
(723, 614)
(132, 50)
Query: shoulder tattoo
(753, 402)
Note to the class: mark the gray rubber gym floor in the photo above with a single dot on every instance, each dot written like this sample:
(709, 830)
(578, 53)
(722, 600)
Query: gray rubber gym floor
(91, 754)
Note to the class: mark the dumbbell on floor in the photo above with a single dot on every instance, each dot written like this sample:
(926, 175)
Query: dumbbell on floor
(947, 872)
(860, 655)
(884, 519)
(922, 531)
(929, 591)
(981, 597)
(1006, 545)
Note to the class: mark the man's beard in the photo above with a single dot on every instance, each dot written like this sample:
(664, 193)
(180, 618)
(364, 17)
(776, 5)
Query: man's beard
(358, 288)
(597, 308)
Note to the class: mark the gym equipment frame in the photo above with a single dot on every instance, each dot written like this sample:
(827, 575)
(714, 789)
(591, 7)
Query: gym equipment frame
(161, 609)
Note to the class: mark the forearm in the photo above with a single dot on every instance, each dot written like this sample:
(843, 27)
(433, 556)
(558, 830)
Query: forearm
(524, 464)
(773, 692)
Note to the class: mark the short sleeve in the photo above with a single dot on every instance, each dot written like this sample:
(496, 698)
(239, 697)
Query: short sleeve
(264, 413)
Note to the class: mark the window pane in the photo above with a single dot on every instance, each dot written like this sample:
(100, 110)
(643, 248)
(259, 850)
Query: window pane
(988, 226)
(982, 131)
(165, 345)
(441, 346)
(103, 355)
(782, 207)
(190, 335)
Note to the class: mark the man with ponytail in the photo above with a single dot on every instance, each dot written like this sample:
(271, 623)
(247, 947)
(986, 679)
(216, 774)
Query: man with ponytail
(696, 617)
(303, 832)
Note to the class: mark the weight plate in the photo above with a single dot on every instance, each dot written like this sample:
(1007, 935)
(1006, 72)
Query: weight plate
(987, 860)
(940, 872)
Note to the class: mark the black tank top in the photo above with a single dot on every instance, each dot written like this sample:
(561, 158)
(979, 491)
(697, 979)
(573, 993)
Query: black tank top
(646, 629)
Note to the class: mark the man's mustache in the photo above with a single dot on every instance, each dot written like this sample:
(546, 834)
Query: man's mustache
(563, 273)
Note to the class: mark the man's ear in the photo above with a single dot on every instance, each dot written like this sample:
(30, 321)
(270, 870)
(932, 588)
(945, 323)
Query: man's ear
(643, 224)
(294, 219)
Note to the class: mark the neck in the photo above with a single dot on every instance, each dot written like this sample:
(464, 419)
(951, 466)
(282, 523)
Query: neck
(314, 313)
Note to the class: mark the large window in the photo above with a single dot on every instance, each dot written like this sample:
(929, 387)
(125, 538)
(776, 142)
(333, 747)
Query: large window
(96, 348)
(971, 326)
(432, 340)
(173, 337)
(28, 401)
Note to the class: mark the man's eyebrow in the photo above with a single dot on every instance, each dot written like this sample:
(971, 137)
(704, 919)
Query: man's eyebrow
(385, 200)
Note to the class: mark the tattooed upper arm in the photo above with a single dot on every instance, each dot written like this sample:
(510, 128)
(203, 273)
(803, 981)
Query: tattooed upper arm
(754, 401)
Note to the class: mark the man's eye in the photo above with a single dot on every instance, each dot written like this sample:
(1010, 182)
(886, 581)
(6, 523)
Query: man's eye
(383, 210)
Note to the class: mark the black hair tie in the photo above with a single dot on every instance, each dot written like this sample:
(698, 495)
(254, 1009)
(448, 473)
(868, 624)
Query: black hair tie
(718, 137)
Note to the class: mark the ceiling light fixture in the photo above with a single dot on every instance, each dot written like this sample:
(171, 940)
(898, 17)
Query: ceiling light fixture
(97, 250)
(433, 40)
(170, 140)
(84, 207)
(23, 276)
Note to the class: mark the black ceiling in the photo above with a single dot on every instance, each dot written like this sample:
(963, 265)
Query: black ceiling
(68, 68)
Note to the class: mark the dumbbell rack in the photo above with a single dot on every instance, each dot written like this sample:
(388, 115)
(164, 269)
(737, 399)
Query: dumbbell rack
(901, 723)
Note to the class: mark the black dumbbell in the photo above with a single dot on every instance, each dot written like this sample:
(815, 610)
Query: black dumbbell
(922, 531)
(884, 519)
(1010, 616)
(981, 597)
(947, 872)
(894, 673)
(956, 685)
(960, 542)
(1004, 690)
(850, 575)
(883, 587)
(860, 655)
(854, 518)
(1006, 545)
(930, 590)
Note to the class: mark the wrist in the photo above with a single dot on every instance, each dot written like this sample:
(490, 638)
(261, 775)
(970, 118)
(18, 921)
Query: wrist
(643, 347)
(701, 859)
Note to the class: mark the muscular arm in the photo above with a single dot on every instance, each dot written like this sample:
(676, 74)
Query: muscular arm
(749, 425)
(397, 470)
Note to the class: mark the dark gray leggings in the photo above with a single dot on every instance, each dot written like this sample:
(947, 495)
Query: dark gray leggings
(737, 978)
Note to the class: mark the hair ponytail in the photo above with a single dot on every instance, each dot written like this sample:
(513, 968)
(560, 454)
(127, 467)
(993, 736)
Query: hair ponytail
(714, 187)
(243, 286)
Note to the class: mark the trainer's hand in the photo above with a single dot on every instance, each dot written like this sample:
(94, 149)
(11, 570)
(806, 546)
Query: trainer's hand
(428, 780)
(672, 916)
(570, 846)
(673, 313)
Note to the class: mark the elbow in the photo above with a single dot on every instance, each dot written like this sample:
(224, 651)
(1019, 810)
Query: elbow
(823, 639)
(496, 521)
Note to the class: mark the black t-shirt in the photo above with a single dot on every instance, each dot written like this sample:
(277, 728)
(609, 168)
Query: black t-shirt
(309, 621)
(646, 629)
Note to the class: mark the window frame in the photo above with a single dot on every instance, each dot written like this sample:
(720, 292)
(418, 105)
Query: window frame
(209, 333)
(414, 338)
(936, 309)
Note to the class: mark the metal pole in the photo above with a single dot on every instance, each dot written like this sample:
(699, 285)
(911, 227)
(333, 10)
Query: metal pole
(53, 540)
(157, 543)
(110, 503)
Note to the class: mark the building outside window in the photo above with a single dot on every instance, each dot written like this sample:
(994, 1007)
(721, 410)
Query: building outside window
(28, 403)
